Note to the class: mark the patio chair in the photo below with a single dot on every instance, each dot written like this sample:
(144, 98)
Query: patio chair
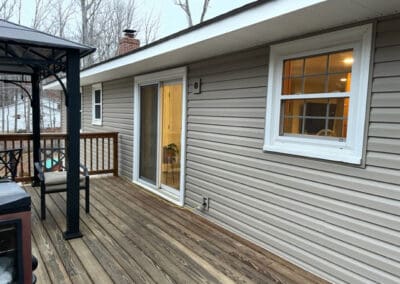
(9, 160)
(52, 174)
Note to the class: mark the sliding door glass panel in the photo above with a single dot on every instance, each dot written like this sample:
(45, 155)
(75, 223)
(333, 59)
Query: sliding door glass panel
(148, 133)
(171, 130)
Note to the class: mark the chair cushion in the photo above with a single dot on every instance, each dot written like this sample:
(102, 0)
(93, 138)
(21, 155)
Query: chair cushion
(60, 178)
(61, 187)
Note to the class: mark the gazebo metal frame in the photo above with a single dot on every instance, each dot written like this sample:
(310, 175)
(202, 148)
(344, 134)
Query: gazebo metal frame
(28, 52)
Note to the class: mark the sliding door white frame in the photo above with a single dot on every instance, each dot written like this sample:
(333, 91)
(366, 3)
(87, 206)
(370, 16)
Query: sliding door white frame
(176, 74)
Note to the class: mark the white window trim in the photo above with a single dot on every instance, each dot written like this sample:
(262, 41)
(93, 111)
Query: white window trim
(360, 39)
(97, 121)
(179, 73)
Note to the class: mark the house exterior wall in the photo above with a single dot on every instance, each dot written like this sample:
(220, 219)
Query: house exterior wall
(339, 221)
(117, 116)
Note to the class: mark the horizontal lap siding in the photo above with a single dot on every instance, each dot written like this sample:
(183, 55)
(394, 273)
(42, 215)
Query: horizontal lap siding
(339, 221)
(117, 116)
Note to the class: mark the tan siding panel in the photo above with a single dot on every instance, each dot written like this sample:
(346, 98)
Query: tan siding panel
(227, 121)
(384, 130)
(231, 94)
(388, 38)
(391, 84)
(386, 100)
(387, 69)
(384, 145)
(386, 160)
(391, 115)
(387, 54)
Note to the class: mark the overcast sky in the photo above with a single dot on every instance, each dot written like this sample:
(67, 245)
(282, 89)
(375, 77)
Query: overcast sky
(172, 18)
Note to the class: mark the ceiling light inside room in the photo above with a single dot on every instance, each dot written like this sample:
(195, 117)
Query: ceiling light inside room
(348, 60)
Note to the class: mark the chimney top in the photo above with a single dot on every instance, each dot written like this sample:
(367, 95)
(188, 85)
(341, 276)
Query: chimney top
(128, 42)
(129, 32)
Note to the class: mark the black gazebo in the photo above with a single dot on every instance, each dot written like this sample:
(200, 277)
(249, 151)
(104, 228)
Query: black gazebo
(37, 55)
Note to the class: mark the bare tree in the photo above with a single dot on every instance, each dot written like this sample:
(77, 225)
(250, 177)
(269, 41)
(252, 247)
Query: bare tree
(184, 5)
(206, 4)
(117, 16)
(150, 25)
(186, 8)
(7, 9)
(19, 11)
(43, 8)
(89, 13)
(63, 12)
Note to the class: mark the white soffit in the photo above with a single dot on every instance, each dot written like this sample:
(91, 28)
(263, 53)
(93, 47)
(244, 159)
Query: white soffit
(272, 21)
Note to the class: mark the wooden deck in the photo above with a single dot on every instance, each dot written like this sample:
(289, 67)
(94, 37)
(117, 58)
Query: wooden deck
(131, 236)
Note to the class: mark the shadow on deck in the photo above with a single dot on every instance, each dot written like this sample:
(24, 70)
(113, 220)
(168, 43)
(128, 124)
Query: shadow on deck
(131, 236)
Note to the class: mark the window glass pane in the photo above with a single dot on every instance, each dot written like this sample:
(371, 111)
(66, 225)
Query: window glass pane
(338, 107)
(293, 68)
(314, 84)
(314, 127)
(97, 112)
(323, 73)
(292, 86)
(318, 117)
(292, 125)
(293, 107)
(316, 107)
(339, 83)
(341, 62)
(97, 96)
(337, 128)
(316, 65)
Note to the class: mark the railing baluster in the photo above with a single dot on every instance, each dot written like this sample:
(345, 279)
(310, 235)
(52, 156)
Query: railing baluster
(52, 152)
(102, 154)
(97, 153)
(109, 154)
(84, 149)
(91, 154)
(21, 158)
(29, 158)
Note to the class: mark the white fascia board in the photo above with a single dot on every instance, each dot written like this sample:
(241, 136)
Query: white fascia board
(250, 17)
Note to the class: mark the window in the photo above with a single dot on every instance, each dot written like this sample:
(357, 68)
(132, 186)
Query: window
(317, 93)
(97, 103)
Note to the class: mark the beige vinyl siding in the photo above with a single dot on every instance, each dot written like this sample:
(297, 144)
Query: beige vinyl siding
(337, 220)
(117, 116)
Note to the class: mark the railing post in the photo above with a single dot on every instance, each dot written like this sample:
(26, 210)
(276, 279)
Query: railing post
(115, 154)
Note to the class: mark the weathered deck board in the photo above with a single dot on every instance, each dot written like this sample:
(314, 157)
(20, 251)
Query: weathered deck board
(131, 236)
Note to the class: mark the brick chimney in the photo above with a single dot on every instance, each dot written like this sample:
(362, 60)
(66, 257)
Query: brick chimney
(128, 42)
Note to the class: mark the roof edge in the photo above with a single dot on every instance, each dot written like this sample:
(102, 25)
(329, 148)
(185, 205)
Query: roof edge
(186, 31)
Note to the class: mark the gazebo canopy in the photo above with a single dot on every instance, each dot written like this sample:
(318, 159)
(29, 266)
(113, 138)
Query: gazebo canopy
(23, 49)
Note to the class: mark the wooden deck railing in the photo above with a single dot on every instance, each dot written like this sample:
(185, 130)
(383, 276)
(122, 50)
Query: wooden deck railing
(99, 151)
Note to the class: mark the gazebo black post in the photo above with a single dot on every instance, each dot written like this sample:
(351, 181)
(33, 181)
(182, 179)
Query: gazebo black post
(35, 103)
(73, 144)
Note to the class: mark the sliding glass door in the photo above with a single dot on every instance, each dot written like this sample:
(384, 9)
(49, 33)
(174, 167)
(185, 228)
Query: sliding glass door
(160, 135)
(148, 133)
(171, 130)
